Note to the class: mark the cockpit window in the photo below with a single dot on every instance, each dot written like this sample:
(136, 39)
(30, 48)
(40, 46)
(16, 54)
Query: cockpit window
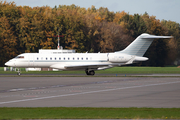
(20, 57)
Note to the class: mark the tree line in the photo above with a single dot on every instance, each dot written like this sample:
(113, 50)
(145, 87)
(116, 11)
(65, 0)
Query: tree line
(26, 29)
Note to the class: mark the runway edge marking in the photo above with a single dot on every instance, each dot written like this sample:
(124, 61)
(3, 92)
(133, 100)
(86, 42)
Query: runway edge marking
(65, 95)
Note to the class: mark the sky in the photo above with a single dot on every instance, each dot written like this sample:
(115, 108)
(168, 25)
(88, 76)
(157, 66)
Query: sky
(162, 9)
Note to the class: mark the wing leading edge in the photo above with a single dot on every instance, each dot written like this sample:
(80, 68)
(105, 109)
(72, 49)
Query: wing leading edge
(85, 66)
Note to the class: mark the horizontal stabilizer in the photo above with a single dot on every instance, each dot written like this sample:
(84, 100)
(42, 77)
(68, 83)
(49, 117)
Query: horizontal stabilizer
(154, 36)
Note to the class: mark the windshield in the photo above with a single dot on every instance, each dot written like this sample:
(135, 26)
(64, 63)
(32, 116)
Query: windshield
(19, 57)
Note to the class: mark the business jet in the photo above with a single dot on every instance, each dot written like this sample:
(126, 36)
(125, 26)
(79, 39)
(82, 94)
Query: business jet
(89, 62)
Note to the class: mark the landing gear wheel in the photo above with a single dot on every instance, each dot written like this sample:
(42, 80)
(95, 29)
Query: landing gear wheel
(19, 73)
(91, 72)
(87, 73)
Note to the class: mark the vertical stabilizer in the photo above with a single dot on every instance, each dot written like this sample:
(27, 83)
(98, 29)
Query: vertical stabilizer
(140, 45)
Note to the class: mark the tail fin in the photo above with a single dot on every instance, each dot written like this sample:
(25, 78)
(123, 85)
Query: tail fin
(140, 45)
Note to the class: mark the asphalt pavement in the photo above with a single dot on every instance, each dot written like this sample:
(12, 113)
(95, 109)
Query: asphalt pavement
(157, 92)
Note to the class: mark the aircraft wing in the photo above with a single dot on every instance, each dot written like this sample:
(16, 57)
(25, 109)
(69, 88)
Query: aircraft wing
(84, 66)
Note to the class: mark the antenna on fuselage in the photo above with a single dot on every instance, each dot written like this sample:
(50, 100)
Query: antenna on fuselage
(59, 39)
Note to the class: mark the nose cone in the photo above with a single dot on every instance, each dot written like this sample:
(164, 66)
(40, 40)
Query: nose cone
(10, 64)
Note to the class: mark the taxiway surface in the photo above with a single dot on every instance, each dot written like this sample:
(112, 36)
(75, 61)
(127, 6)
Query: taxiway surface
(90, 92)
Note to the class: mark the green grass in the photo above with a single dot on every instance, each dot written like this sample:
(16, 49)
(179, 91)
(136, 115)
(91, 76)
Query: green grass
(144, 70)
(115, 70)
(89, 113)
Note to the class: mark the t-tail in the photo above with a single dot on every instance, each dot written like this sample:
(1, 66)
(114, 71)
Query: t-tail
(140, 45)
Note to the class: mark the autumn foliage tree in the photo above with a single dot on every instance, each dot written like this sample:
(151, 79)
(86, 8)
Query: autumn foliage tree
(26, 29)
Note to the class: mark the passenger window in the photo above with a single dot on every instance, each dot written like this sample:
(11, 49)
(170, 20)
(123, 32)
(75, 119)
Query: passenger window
(59, 58)
(82, 58)
(55, 58)
(77, 58)
(64, 58)
(68, 58)
(50, 58)
(46, 58)
(86, 58)
(37, 58)
(73, 58)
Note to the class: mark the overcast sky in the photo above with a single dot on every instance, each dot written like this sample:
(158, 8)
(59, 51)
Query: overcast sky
(162, 9)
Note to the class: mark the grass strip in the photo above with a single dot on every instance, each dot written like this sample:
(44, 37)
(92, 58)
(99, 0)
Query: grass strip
(89, 113)
(115, 70)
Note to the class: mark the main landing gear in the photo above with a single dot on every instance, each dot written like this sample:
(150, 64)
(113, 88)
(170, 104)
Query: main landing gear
(91, 72)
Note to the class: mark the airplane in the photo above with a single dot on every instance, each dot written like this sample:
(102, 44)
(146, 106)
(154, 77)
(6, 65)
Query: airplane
(89, 62)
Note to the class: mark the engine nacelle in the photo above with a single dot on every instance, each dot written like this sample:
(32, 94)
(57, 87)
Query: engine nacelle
(137, 59)
(123, 58)
(118, 58)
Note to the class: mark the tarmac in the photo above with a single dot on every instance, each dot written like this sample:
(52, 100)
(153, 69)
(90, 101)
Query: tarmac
(156, 92)
(84, 75)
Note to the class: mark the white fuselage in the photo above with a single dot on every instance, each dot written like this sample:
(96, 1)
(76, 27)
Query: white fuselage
(52, 60)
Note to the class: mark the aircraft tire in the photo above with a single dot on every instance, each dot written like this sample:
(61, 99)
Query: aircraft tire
(19, 73)
(87, 73)
(91, 72)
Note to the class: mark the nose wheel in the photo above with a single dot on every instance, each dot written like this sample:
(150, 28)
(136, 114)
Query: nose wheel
(91, 72)
(18, 72)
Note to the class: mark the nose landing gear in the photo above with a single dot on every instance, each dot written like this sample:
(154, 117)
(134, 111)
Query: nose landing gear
(18, 72)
